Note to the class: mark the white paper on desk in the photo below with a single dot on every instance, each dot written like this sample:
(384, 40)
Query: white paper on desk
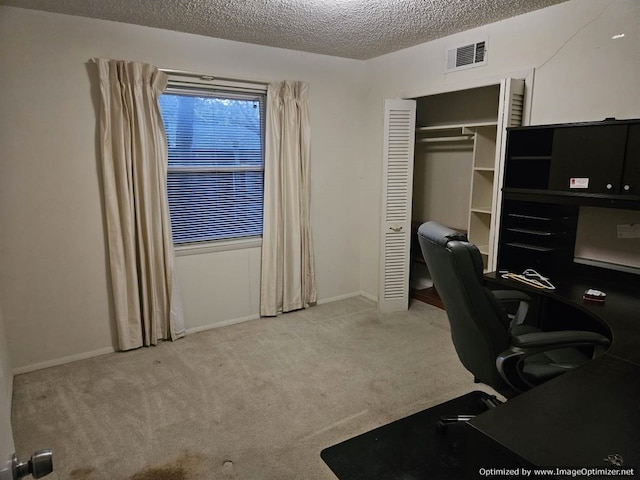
(598, 236)
(629, 230)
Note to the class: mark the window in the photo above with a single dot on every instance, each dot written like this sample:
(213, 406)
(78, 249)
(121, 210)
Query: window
(216, 162)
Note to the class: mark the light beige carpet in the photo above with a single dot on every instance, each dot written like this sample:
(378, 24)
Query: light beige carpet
(258, 400)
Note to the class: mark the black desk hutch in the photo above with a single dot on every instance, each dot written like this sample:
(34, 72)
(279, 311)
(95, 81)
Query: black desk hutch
(590, 416)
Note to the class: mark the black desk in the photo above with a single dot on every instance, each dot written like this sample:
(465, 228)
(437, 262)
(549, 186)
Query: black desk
(619, 315)
(580, 418)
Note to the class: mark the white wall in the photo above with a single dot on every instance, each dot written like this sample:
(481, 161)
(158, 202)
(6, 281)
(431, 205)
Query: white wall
(581, 74)
(54, 285)
(6, 389)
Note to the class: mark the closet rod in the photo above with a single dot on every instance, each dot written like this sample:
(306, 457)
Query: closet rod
(206, 77)
(459, 138)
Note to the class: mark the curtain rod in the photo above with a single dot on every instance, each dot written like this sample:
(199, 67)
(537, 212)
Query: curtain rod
(203, 76)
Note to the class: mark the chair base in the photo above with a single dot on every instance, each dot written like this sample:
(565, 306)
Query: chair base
(489, 401)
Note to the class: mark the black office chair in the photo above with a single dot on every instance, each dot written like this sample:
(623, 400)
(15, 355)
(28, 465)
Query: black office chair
(502, 352)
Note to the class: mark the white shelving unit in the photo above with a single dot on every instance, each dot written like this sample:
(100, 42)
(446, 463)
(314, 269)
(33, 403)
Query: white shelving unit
(481, 138)
(481, 208)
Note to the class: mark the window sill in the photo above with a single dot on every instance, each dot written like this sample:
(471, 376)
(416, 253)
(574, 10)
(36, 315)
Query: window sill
(218, 246)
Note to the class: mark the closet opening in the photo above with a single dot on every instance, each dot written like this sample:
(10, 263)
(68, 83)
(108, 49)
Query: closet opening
(455, 173)
(443, 161)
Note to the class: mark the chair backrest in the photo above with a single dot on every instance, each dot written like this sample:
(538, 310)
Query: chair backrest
(479, 324)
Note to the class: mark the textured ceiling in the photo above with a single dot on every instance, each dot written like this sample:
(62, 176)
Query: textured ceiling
(358, 29)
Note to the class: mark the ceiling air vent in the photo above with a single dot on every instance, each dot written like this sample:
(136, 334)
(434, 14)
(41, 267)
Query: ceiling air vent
(468, 56)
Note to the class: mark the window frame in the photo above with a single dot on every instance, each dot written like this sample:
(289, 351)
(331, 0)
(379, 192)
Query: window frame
(191, 84)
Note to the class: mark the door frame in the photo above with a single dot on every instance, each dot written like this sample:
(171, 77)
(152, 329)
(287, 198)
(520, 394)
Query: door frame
(528, 75)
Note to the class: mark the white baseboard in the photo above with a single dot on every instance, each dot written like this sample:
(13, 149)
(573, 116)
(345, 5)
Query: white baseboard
(225, 323)
(234, 321)
(348, 295)
(373, 298)
(61, 361)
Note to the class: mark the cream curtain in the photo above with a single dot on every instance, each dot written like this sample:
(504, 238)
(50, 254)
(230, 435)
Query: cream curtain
(287, 276)
(134, 169)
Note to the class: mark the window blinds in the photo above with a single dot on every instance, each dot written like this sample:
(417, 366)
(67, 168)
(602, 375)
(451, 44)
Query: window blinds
(216, 163)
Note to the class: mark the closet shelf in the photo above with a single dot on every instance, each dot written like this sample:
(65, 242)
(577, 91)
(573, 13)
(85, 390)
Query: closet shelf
(462, 132)
(486, 210)
(458, 126)
(453, 138)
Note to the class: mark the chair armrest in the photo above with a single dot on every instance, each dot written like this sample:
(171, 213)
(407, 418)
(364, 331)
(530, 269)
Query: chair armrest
(538, 340)
(512, 296)
(522, 346)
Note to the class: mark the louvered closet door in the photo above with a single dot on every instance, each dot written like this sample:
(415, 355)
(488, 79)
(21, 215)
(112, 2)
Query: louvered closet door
(399, 139)
(510, 114)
